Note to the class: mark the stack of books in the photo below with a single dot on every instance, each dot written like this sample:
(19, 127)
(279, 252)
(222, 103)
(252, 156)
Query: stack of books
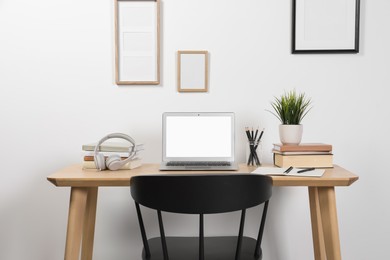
(107, 149)
(304, 155)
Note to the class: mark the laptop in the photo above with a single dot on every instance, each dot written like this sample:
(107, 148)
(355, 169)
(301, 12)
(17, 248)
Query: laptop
(198, 141)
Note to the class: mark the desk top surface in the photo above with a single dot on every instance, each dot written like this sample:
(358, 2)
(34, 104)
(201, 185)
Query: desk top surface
(75, 176)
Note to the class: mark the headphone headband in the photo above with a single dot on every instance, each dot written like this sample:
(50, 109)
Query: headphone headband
(111, 136)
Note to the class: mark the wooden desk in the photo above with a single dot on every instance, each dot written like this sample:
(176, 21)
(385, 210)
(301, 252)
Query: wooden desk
(84, 189)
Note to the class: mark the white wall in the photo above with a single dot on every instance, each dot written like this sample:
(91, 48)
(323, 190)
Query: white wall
(57, 92)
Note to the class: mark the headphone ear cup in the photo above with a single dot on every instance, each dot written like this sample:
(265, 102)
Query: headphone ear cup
(99, 162)
(114, 162)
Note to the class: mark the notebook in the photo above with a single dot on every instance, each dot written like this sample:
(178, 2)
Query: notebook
(275, 171)
(198, 141)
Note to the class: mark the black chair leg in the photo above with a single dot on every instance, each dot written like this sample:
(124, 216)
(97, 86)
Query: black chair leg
(240, 233)
(201, 237)
(143, 233)
(261, 230)
(162, 234)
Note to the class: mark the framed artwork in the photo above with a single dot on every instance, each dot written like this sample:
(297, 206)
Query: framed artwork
(325, 26)
(192, 71)
(137, 42)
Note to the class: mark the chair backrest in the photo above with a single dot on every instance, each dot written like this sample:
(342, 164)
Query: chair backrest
(200, 193)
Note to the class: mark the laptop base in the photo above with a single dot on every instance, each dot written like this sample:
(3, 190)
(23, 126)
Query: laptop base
(232, 167)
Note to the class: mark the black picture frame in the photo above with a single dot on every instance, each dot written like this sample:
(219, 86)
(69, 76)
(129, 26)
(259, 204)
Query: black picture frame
(296, 49)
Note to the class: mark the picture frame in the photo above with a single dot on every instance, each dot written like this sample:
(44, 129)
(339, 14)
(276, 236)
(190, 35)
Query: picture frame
(192, 71)
(137, 42)
(325, 26)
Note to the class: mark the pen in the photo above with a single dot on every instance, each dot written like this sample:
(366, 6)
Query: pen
(306, 170)
(288, 170)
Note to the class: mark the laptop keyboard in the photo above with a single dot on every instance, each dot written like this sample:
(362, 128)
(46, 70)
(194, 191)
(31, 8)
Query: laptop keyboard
(200, 163)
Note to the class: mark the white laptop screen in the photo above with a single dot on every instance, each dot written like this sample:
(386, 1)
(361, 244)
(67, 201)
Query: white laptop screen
(200, 136)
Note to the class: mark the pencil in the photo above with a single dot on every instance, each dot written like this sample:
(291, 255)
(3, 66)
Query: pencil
(257, 131)
(261, 135)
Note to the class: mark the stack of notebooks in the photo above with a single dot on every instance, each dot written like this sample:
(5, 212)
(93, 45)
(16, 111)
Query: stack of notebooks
(304, 155)
(107, 149)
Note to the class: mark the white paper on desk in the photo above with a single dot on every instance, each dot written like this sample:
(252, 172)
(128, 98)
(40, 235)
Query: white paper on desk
(274, 171)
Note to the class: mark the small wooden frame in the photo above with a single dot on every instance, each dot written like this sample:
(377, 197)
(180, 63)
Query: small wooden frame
(137, 42)
(192, 71)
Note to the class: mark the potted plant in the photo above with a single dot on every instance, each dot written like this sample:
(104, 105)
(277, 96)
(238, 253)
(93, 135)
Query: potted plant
(290, 108)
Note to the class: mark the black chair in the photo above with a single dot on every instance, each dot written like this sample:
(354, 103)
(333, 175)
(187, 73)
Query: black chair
(201, 194)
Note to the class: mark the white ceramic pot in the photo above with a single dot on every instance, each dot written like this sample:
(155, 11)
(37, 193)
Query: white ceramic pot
(290, 134)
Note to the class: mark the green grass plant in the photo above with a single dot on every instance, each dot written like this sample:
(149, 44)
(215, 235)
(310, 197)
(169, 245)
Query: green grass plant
(290, 108)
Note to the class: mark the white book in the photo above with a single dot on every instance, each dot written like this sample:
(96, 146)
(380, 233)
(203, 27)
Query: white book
(301, 153)
(113, 147)
(91, 153)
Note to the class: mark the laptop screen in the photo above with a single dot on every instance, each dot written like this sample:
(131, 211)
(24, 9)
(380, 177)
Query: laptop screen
(198, 136)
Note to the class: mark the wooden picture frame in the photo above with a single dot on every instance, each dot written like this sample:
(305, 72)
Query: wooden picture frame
(137, 42)
(330, 26)
(192, 71)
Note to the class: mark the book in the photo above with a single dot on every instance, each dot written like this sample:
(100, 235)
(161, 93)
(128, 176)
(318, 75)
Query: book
(92, 158)
(112, 147)
(301, 152)
(273, 171)
(304, 147)
(134, 163)
(106, 154)
(304, 161)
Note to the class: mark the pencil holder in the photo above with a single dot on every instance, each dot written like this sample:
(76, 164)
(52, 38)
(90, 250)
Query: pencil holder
(252, 154)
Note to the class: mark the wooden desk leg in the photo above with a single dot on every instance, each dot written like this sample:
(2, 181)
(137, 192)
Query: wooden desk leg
(316, 225)
(89, 224)
(78, 201)
(327, 199)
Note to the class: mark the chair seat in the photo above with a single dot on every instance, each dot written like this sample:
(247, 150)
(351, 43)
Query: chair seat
(215, 248)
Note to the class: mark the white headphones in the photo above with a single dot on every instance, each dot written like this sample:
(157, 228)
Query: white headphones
(113, 162)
